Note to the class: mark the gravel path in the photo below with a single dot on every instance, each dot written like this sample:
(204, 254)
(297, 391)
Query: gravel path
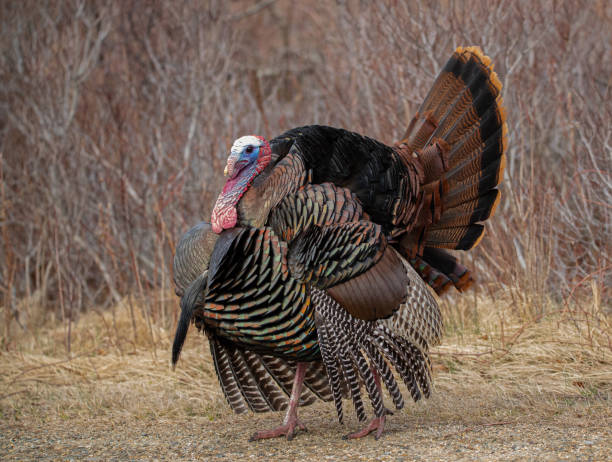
(408, 437)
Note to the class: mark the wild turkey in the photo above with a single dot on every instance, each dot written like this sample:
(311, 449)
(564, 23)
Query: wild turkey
(245, 289)
(407, 202)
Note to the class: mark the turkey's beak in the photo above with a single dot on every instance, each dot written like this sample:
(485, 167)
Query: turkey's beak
(225, 171)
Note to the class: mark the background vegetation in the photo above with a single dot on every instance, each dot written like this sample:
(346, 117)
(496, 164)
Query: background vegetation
(117, 117)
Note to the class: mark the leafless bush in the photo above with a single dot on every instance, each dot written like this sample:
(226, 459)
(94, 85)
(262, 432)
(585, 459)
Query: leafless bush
(116, 118)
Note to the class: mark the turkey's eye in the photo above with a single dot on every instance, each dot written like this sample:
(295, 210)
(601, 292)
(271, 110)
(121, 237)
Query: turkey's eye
(249, 149)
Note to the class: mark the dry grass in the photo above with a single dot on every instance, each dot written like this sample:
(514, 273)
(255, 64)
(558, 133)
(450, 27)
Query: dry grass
(509, 363)
(539, 364)
(107, 374)
(509, 385)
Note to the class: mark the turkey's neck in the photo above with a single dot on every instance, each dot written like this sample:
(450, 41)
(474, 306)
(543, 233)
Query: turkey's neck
(224, 214)
(267, 191)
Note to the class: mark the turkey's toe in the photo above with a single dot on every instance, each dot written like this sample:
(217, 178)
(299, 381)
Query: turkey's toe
(289, 430)
(377, 423)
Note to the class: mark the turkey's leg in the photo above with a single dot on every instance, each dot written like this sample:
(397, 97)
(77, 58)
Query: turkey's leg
(291, 421)
(377, 423)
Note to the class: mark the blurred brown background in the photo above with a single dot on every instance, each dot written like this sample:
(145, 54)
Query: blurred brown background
(116, 118)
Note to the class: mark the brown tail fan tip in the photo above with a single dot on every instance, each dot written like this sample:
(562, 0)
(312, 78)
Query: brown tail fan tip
(491, 212)
(464, 108)
(482, 229)
(465, 53)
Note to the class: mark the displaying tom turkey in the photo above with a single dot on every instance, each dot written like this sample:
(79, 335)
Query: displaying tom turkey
(330, 238)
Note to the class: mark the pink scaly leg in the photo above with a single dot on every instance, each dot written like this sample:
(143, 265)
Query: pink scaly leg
(291, 421)
(377, 423)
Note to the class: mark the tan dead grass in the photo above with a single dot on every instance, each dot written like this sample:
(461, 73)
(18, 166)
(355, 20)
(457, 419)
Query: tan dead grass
(107, 372)
(495, 359)
(563, 354)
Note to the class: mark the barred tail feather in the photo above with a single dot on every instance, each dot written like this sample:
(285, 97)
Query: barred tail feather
(331, 364)
(316, 380)
(267, 386)
(399, 361)
(357, 359)
(283, 373)
(227, 380)
(249, 386)
(370, 383)
(351, 378)
(419, 366)
(262, 383)
(386, 374)
(344, 339)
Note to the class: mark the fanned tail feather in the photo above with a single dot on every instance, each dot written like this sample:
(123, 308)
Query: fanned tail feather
(459, 137)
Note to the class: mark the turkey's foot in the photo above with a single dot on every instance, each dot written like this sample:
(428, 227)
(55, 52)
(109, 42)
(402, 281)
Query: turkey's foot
(288, 429)
(376, 424)
(291, 422)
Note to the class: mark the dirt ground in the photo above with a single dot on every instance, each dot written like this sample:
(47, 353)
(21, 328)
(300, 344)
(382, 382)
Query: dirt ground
(423, 432)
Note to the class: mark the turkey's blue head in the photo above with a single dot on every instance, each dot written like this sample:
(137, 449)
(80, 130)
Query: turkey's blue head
(248, 157)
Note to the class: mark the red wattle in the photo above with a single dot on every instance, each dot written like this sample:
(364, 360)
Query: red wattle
(229, 185)
(223, 218)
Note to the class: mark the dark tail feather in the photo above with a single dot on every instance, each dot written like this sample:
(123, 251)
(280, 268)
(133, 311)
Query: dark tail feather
(436, 279)
(189, 301)
(441, 270)
(460, 276)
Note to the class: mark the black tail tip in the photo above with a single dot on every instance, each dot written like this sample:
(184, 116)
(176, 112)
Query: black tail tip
(188, 303)
(181, 332)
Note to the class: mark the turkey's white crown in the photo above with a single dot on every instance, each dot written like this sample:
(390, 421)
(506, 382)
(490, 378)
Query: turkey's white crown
(244, 141)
